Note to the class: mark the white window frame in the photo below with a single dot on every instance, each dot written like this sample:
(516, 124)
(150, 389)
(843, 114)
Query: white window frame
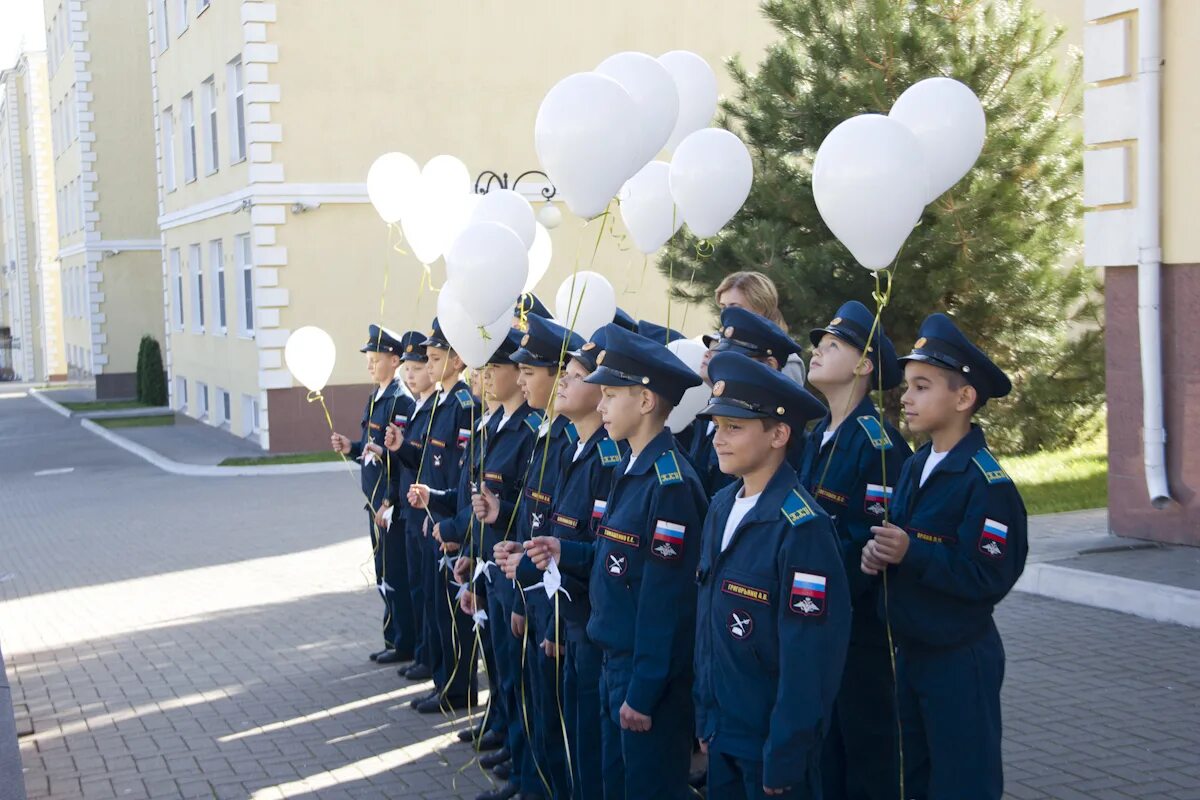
(208, 110)
(175, 258)
(249, 415)
(216, 260)
(235, 91)
(167, 135)
(181, 393)
(196, 278)
(202, 6)
(203, 406)
(162, 26)
(181, 6)
(245, 262)
(224, 408)
(187, 122)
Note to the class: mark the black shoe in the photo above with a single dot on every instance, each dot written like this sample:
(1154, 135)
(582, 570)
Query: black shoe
(492, 759)
(416, 701)
(698, 779)
(469, 734)
(417, 672)
(375, 656)
(391, 657)
(503, 771)
(435, 704)
(491, 740)
(503, 793)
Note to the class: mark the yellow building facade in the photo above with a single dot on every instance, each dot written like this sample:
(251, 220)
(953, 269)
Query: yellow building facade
(31, 336)
(104, 168)
(267, 117)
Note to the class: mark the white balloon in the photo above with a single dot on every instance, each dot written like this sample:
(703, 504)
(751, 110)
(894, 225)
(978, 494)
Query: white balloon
(310, 355)
(711, 174)
(697, 88)
(550, 216)
(539, 258)
(948, 120)
(653, 90)
(870, 185)
(473, 342)
(585, 302)
(389, 181)
(508, 208)
(487, 265)
(433, 214)
(696, 398)
(647, 208)
(587, 135)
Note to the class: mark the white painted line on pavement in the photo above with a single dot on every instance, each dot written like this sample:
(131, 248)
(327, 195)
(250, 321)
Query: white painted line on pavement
(1155, 601)
(59, 471)
(12, 395)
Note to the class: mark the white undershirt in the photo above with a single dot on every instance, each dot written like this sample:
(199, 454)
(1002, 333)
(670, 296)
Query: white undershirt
(379, 392)
(503, 419)
(579, 450)
(741, 507)
(421, 402)
(934, 459)
(826, 436)
(632, 461)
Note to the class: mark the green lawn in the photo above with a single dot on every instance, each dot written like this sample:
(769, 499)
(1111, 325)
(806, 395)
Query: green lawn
(154, 421)
(285, 458)
(1063, 480)
(105, 405)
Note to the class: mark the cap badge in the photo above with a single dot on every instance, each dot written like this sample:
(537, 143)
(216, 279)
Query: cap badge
(718, 388)
(524, 340)
(600, 358)
(920, 343)
(408, 349)
(780, 411)
(835, 321)
(588, 346)
(729, 332)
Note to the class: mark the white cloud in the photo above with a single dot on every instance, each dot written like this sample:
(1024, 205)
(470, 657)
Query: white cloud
(23, 29)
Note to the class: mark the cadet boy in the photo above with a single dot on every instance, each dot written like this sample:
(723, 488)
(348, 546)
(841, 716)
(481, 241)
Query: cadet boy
(642, 573)
(773, 617)
(387, 402)
(850, 466)
(954, 547)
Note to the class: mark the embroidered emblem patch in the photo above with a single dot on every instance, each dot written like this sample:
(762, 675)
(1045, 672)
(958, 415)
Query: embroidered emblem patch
(796, 509)
(400, 421)
(536, 519)
(668, 540)
(808, 594)
(437, 459)
(832, 496)
(993, 538)
(615, 564)
(565, 521)
(620, 537)
(935, 538)
(877, 499)
(746, 592)
(598, 509)
(990, 467)
(464, 434)
(610, 454)
(740, 624)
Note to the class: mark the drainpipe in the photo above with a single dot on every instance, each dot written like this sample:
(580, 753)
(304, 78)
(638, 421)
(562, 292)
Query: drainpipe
(1149, 208)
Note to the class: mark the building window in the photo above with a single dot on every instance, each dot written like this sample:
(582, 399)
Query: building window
(249, 415)
(196, 271)
(202, 6)
(168, 150)
(187, 118)
(208, 98)
(216, 257)
(177, 288)
(162, 26)
(236, 90)
(246, 284)
(181, 389)
(223, 407)
(183, 17)
(202, 399)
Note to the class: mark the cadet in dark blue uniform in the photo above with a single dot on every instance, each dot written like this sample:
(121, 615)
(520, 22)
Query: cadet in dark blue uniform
(751, 335)
(642, 573)
(388, 401)
(773, 617)
(955, 546)
(850, 466)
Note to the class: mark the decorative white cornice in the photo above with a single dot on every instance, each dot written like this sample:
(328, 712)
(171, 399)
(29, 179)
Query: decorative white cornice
(104, 245)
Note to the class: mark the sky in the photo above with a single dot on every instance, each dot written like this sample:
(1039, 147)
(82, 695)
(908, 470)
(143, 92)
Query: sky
(21, 28)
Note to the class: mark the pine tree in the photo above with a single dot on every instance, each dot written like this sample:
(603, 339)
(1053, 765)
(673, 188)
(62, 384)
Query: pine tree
(999, 251)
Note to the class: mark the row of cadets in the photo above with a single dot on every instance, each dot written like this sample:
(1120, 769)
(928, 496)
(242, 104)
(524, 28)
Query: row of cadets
(641, 572)
(773, 616)
(435, 456)
(851, 465)
(387, 402)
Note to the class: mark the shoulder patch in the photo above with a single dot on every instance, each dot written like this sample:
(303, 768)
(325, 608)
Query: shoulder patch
(464, 398)
(796, 509)
(668, 470)
(571, 433)
(990, 467)
(610, 454)
(533, 421)
(875, 432)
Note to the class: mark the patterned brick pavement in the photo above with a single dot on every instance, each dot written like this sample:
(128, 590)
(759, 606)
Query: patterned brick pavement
(186, 637)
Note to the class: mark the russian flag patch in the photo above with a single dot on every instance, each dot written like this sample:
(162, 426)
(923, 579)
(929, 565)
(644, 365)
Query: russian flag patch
(993, 538)
(400, 421)
(877, 499)
(808, 594)
(464, 435)
(598, 509)
(668, 540)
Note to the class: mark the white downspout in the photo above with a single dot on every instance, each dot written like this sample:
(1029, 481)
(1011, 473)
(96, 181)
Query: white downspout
(1149, 208)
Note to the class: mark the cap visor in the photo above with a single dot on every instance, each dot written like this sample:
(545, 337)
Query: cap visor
(530, 360)
(606, 377)
(716, 408)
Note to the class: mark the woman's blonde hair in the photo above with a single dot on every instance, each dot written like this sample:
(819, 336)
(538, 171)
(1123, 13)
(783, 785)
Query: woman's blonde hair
(760, 293)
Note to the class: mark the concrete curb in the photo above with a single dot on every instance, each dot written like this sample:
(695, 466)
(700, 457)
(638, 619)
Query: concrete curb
(1155, 601)
(12, 776)
(46, 401)
(205, 470)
